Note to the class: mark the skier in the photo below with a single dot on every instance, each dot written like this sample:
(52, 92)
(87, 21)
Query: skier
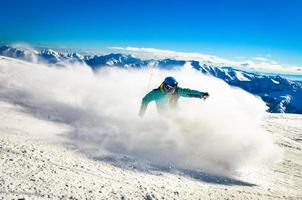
(167, 95)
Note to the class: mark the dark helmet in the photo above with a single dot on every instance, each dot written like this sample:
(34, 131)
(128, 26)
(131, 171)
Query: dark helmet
(170, 84)
(171, 81)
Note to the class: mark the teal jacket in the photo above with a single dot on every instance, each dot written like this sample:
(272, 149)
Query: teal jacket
(166, 101)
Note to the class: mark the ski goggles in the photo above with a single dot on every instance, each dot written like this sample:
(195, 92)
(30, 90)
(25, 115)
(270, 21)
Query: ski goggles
(169, 87)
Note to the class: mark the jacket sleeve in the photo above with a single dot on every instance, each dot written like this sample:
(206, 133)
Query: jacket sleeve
(185, 92)
(151, 96)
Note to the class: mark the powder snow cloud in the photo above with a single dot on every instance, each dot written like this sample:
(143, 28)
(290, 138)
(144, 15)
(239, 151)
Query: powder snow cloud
(221, 134)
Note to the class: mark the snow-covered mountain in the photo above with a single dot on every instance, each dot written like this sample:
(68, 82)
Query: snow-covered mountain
(113, 59)
(280, 94)
(46, 55)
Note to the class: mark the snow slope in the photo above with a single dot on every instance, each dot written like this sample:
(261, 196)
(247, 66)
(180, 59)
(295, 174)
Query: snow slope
(32, 167)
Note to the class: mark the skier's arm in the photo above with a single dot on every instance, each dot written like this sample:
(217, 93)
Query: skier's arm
(185, 92)
(145, 101)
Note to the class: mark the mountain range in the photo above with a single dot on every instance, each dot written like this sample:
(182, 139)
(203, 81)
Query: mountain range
(282, 95)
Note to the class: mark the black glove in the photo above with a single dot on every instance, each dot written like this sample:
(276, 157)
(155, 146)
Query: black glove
(205, 95)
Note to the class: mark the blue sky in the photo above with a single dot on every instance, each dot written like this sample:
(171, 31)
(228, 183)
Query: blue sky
(230, 29)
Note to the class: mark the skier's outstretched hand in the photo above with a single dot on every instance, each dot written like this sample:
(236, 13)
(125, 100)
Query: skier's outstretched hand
(205, 96)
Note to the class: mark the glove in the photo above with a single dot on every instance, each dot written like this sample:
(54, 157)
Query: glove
(205, 95)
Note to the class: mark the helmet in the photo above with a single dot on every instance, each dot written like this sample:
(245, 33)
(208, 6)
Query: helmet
(170, 84)
(170, 81)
